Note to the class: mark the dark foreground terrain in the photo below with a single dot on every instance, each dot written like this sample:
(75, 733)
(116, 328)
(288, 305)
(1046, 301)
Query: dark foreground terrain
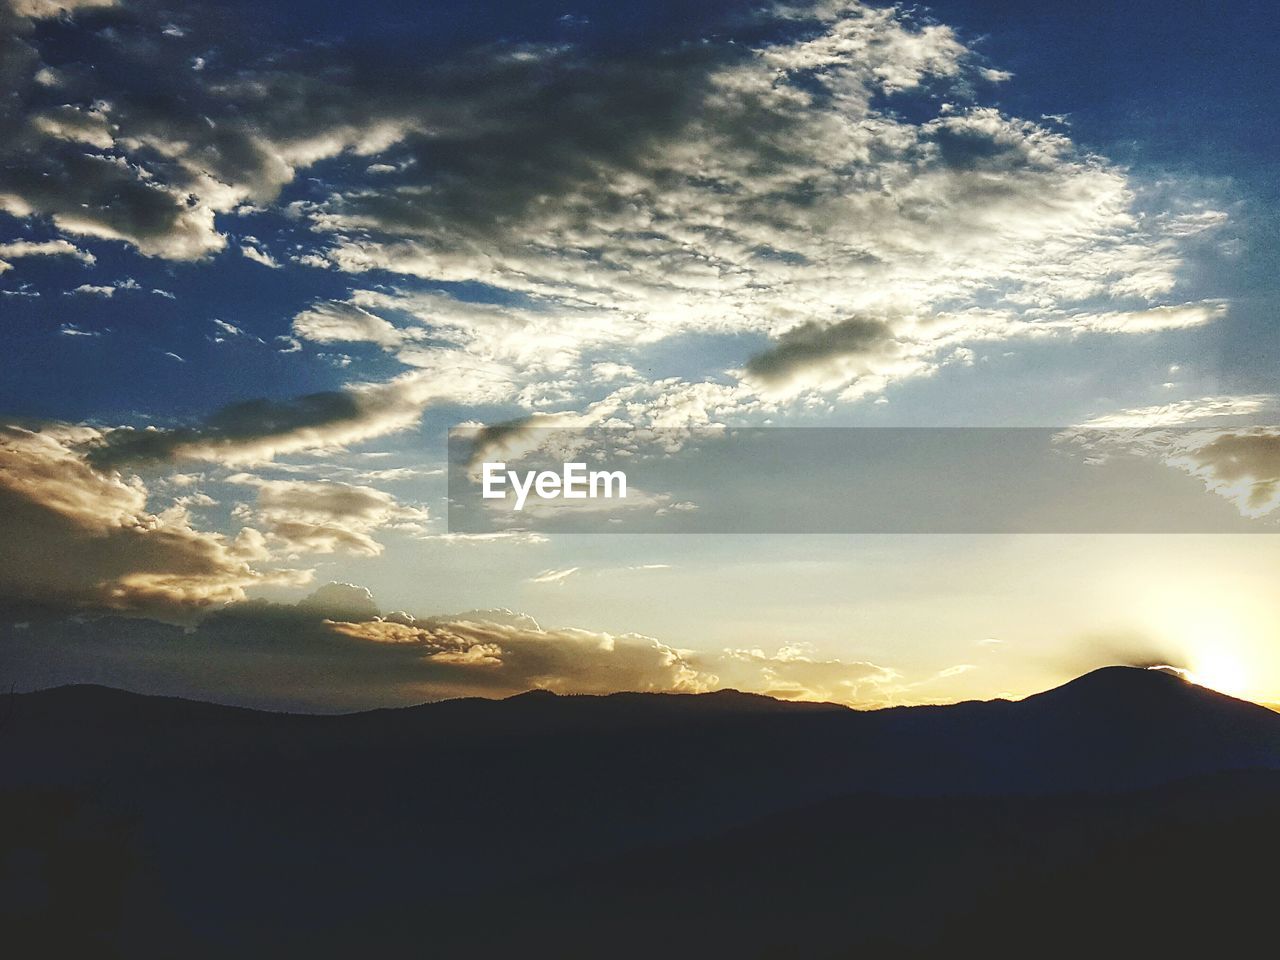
(1125, 814)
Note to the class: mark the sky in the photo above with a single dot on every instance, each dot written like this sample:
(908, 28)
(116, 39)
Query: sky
(256, 260)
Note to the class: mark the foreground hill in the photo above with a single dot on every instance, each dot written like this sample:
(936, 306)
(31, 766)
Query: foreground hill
(235, 832)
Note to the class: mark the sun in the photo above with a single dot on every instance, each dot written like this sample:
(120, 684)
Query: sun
(1219, 671)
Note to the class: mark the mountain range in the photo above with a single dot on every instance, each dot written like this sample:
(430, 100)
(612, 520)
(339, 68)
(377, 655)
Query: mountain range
(1127, 804)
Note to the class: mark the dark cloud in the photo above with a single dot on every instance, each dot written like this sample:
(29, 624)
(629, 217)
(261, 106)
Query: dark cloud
(539, 123)
(1240, 465)
(1243, 466)
(237, 424)
(332, 651)
(813, 345)
(114, 132)
(256, 430)
(277, 655)
(508, 439)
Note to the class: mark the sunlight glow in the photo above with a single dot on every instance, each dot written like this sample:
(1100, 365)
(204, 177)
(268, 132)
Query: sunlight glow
(1219, 671)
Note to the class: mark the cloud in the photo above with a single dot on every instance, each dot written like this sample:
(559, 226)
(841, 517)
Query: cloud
(764, 190)
(339, 322)
(109, 290)
(534, 336)
(511, 440)
(251, 251)
(1183, 412)
(820, 175)
(255, 431)
(77, 538)
(507, 657)
(607, 371)
(110, 198)
(1166, 317)
(88, 289)
(44, 248)
(340, 601)
(793, 673)
(1239, 464)
(332, 651)
(815, 353)
(44, 9)
(278, 655)
(496, 536)
(325, 516)
(553, 576)
(110, 159)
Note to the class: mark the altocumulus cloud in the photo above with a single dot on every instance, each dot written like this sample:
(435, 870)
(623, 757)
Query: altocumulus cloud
(821, 180)
(758, 179)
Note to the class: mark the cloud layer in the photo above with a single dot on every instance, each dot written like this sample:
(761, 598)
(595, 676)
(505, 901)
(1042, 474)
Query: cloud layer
(535, 232)
(824, 176)
(333, 651)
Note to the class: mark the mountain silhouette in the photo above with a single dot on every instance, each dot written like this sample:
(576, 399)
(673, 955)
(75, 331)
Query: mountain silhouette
(622, 825)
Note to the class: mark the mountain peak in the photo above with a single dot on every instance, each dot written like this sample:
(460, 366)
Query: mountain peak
(1125, 683)
(1159, 695)
(1129, 675)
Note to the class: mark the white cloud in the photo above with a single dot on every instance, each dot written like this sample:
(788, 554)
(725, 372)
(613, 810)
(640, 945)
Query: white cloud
(348, 322)
(1184, 412)
(553, 576)
(94, 290)
(250, 250)
(17, 249)
(109, 290)
(44, 9)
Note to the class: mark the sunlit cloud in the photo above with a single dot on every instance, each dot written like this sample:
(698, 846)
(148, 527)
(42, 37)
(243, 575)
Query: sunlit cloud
(325, 516)
(80, 539)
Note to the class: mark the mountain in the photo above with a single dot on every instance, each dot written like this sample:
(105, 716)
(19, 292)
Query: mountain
(622, 820)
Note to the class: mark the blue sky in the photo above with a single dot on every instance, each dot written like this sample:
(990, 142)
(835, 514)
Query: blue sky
(255, 260)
